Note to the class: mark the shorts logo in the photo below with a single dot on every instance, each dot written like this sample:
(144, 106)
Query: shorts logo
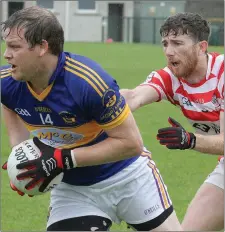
(151, 209)
(68, 118)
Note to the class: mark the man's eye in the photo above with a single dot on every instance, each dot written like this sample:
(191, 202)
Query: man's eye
(14, 46)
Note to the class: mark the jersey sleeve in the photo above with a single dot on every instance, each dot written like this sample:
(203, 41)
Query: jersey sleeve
(161, 81)
(103, 101)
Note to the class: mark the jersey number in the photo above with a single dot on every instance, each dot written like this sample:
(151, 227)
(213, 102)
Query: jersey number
(46, 120)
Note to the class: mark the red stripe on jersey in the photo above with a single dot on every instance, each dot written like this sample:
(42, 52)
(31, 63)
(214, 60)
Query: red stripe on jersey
(221, 71)
(168, 83)
(214, 55)
(201, 116)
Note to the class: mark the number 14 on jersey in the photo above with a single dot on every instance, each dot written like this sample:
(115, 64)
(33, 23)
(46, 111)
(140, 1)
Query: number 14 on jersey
(46, 119)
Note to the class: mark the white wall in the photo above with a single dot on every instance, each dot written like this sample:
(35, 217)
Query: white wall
(81, 26)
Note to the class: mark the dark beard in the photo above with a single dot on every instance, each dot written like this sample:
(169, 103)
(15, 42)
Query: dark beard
(189, 66)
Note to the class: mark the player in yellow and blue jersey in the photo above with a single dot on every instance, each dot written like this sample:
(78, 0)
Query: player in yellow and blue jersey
(83, 127)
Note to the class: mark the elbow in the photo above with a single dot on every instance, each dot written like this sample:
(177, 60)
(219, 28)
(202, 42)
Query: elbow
(136, 147)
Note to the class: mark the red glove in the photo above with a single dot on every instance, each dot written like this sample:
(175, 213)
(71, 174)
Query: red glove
(176, 137)
(13, 187)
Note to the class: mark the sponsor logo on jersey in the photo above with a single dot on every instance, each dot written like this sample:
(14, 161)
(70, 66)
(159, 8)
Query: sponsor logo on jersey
(216, 103)
(68, 118)
(42, 109)
(56, 137)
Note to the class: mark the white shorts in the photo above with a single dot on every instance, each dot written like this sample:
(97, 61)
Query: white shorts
(217, 176)
(135, 195)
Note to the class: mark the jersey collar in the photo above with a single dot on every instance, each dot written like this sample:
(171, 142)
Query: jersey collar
(59, 67)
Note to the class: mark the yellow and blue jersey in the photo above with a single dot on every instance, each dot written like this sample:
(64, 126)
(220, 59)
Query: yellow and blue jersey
(80, 102)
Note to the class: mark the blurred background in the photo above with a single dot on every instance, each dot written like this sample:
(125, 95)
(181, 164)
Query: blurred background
(122, 21)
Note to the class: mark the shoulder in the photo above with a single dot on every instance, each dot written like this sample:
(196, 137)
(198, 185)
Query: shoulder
(6, 75)
(82, 72)
(8, 84)
(217, 63)
(163, 75)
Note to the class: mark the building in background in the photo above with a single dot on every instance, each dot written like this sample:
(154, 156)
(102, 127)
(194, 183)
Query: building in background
(122, 21)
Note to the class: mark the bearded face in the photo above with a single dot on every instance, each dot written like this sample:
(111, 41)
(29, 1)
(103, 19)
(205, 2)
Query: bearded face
(181, 53)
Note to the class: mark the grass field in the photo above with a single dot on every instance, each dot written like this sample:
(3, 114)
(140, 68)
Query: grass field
(183, 171)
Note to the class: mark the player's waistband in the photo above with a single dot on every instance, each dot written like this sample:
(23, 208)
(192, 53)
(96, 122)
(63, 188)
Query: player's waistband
(86, 176)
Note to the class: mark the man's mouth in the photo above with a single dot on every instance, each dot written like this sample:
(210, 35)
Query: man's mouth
(13, 66)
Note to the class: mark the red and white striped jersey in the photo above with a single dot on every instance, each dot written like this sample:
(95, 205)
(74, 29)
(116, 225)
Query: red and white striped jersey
(200, 103)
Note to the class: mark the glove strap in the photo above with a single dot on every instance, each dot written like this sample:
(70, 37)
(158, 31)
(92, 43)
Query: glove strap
(68, 159)
(192, 140)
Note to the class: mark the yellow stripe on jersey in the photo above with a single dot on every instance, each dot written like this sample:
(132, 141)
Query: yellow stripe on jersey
(87, 74)
(119, 120)
(160, 184)
(5, 75)
(96, 77)
(43, 95)
(85, 78)
(6, 72)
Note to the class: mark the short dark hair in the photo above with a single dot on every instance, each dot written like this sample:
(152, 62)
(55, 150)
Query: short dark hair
(39, 24)
(187, 23)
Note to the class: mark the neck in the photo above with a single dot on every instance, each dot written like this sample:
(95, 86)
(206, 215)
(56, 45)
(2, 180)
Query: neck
(40, 80)
(200, 71)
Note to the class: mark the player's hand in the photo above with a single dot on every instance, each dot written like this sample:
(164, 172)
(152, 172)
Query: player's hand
(176, 137)
(13, 187)
(45, 168)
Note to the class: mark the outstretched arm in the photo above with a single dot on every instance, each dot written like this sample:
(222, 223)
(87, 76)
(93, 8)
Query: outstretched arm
(140, 96)
(176, 137)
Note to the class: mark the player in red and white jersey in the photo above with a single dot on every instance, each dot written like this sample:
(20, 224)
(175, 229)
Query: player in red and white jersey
(201, 103)
(194, 81)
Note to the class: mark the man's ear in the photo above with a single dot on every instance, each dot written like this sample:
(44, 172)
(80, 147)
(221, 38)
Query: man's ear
(43, 47)
(203, 47)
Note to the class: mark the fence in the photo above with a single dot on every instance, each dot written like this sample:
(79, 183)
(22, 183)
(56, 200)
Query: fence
(146, 29)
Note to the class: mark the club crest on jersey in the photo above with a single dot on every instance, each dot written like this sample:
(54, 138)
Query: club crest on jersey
(109, 98)
(68, 118)
(186, 101)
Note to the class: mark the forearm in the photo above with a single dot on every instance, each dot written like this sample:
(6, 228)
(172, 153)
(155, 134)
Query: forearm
(210, 144)
(109, 150)
(129, 96)
(140, 96)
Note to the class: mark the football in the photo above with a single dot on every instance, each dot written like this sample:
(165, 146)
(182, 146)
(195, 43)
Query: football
(21, 153)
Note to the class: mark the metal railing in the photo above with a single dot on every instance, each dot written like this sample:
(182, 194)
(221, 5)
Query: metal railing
(146, 30)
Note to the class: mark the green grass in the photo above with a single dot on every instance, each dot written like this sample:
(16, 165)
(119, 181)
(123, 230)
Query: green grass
(183, 171)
